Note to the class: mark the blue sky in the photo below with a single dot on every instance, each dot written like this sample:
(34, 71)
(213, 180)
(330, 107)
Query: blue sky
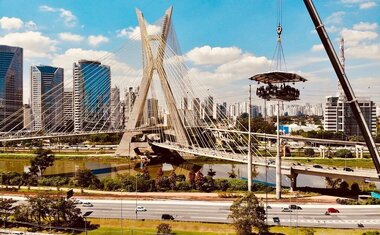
(223, 42)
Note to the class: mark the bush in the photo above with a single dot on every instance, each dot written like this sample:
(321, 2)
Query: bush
(343, 153)
(164, 228)
(371, 233)
(110, 184)
(237, 185)
(309, 152)
(221, 184)
(53, 181)
(183, 186)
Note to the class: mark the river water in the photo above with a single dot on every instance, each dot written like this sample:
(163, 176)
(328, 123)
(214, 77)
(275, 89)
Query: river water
(113, 166)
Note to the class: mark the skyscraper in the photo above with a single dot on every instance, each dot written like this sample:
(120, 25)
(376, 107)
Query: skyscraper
(339, 117)
(68, 112)
(92, 93)
(11, 109)
(115, 108)
(130, 97)
(47, 97)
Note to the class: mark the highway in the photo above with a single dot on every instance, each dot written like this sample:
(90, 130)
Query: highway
(311, 215)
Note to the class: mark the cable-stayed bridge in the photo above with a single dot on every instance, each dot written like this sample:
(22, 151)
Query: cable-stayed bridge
(165, 110)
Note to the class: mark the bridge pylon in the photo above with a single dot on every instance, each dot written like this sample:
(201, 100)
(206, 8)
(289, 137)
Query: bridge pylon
(152, 62)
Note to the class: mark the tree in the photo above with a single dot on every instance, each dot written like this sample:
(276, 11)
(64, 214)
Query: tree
(192, 178)
(6, 208)
(199, 180)
(333, 183)
(232, 173)
(343, 186)
(355, 188)
(309, 152)
(43, 159)
(173, 180)
(343, 153)
(246, 213)
(85, 178)
(164, 228)
(211, 172)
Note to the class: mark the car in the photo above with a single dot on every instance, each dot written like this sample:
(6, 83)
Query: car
(318, 166)
(77, 201)
(140, 208)
(295, 207)
(276, 220)
(348, 169)
(87, 204)
(332, 210)
(285, 209)
(269, 207)
(167, 217)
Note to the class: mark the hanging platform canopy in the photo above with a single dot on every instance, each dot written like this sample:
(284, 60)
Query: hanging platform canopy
(277, 77)
(281, 92)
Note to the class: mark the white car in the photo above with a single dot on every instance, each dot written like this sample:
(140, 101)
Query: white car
(77, 201)
(140, 208)
(87, 204)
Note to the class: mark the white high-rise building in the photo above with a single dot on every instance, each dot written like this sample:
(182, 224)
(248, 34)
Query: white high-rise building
(338, 116)
(47, 97)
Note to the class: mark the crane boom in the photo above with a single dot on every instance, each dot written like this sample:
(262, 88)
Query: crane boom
(348, 91)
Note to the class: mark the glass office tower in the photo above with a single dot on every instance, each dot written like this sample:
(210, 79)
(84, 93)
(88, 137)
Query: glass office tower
(92, 93)
(11, 109)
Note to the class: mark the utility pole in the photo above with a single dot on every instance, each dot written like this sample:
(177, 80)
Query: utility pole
(249, 169)
(278, 157)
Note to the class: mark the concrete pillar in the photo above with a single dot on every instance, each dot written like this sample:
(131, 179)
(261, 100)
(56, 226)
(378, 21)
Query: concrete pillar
(356, 151)
(361, 151)
(293, 181)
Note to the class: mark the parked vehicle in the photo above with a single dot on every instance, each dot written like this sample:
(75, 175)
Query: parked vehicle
(318, 166)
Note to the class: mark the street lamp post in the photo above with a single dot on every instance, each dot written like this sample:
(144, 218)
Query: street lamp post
(249, 176)
(85, 221)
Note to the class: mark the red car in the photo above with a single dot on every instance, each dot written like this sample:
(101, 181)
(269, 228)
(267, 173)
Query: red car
(332, 210)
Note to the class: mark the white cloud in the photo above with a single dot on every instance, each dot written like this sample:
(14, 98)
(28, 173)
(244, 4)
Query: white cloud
(30, 25)
(335, 18)
(95, 40)
(367, 5)
(207, 55)
(66, 36)
(365, 26)
(354, 37)
(362, 4)
(34, 43)
(317, 47)
(9, 23)
(364, 51)
(135, 34)
(121, 72)
(68, 17)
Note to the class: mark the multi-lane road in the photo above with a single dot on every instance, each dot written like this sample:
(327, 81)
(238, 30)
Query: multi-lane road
(311, 215)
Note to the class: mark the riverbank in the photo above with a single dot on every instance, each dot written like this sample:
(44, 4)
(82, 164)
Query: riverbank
(97, 194)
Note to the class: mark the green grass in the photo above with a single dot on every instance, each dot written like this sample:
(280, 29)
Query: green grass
(112, 226)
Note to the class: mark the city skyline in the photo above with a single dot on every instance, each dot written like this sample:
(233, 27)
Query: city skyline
(60, 33)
